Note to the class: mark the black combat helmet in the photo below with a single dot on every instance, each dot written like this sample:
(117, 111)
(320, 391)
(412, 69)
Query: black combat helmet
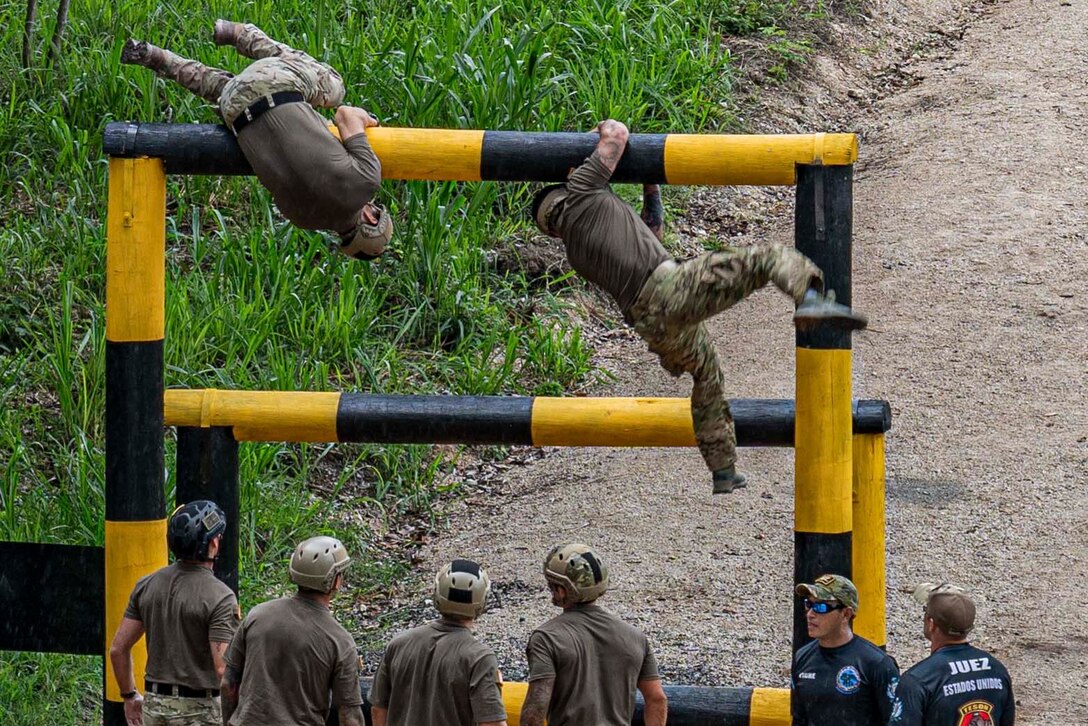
(192, 526)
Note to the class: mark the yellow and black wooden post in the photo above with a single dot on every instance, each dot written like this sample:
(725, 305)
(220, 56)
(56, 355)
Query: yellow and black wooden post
(868, 558)
(207, 468)
(135, 321)
(823, 517)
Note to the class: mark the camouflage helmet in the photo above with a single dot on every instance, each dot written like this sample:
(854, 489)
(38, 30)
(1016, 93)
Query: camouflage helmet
(460, 588)
(192, 526)
(367, 241)
(317, 561)
(575, 567)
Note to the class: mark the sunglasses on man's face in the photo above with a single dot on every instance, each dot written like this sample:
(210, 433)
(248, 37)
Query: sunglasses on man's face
(821, 607)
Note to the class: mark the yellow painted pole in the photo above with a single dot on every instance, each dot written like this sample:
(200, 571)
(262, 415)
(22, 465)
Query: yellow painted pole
(869, 550)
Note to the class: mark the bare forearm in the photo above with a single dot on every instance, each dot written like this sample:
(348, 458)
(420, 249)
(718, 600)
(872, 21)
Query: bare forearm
(122, 670)
(378, 715)
(535, 708)
(655, 713)
(351, 716)
(228, 694)
(653, 213)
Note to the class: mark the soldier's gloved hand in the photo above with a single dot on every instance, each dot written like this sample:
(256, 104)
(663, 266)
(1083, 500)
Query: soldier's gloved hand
(134, 710)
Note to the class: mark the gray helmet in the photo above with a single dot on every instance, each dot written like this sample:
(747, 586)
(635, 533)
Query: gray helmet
(460, 588)
(576, 568)
(317, 561)
(192, 526)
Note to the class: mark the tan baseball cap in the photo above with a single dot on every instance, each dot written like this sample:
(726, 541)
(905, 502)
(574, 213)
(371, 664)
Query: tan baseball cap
(830, 587)
(950, 607)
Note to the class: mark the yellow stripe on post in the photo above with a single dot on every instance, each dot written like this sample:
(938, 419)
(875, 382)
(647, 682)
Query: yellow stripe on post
(256, 415)
(868, 555)
(770, 707)
(428, 154)
(823, 433)
(752, 159)
(513, 698)
(135, 250)
(133, 549)
(612, 422)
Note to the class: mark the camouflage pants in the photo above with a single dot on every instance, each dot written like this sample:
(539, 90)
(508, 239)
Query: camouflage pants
(669, 315)
(172, 711)
(278, 68)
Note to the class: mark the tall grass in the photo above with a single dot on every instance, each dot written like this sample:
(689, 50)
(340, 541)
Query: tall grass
(253, 302)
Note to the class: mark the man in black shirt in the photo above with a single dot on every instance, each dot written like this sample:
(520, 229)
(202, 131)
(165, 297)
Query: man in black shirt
(958, 684)
(839, 678)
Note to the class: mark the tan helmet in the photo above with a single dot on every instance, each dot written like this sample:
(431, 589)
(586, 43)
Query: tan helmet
(575, 567)
(545, 205)
(460, 588)
(317, 561)
(367, 241)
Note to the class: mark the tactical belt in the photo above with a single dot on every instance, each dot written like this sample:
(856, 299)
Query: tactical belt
(256, 110)
(171, 689)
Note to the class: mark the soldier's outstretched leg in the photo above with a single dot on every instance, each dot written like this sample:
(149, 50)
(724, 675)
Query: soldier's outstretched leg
(694, 290)
(205, 81)
(252, 42)
(690, 350)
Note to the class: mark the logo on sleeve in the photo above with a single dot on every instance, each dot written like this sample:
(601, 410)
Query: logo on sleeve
(976, 713)
(847, 680)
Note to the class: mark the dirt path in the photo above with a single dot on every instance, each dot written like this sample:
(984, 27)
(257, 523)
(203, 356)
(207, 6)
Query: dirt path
(970, 256)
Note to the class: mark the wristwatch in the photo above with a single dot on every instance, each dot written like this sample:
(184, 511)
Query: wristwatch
(130, 694)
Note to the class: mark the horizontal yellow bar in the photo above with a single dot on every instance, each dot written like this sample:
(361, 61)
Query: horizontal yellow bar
(823, 442)
(770, 707)
(428, 154)
(752, 159)
(256, 415)
(133, 549)
(136, 250)
(612, 422)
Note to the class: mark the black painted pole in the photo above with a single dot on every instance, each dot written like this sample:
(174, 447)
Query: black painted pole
(207, 468)
(823, 519)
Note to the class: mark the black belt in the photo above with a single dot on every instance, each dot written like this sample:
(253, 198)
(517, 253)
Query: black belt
(256, 110)
(171, 689)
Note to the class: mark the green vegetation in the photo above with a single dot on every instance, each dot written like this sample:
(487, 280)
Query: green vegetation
(254, 303)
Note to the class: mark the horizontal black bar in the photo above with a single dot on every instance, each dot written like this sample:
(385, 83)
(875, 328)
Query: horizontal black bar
(434, 419)
(52, 598)
(544, 156)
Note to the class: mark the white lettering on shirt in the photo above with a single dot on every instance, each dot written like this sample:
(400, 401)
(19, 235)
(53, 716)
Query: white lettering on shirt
(807, 676)
(979, 684)
(967, 666)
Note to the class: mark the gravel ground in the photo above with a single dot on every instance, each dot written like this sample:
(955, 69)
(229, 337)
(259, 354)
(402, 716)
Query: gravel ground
(970, 257)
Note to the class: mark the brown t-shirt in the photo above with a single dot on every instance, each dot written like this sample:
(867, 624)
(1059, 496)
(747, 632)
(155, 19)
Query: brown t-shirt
(438, 674)
(607, 243)
(597, 661)
(183, 608)
(295, 660)
(316, 181)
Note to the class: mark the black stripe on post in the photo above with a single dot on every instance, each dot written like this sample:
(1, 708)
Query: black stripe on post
(699, 705)
(434, 419)
(824, 231)
(550, 157)
(184, 148)
(134, 444)
(815, 554)
(207, 466)
(52, 598)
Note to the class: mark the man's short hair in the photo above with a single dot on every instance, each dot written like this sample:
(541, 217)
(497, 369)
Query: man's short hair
(541, 196)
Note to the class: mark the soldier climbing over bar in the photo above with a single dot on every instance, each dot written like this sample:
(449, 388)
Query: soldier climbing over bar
(317, 181)
(666, 300)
